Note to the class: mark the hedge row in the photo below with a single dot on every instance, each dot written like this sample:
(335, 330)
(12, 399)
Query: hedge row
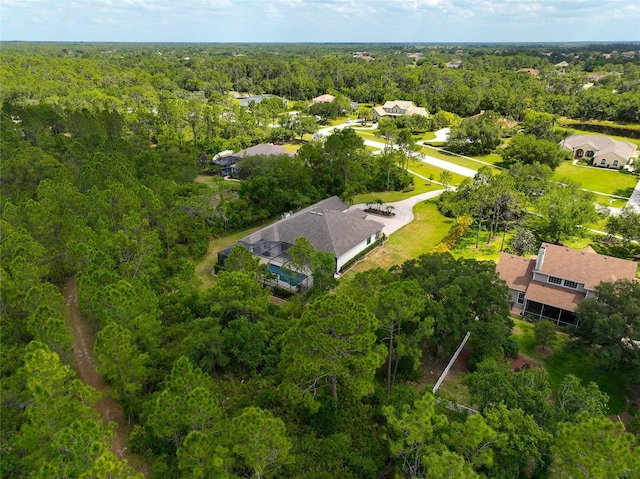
(363, 253)
(456, 232)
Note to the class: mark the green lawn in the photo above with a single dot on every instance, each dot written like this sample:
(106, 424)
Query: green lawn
(601, 180)
(425, 170)
(205, 265)
(567, 358)
(466, 247)
(492, 158)
(418, 237)
(451, 158)
(420, 186)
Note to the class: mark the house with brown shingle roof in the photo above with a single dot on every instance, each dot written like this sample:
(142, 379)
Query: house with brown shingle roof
(329, 225)
(602, 151)
(552, 284)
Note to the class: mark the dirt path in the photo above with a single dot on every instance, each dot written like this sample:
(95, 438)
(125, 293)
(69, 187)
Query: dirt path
(109, 409)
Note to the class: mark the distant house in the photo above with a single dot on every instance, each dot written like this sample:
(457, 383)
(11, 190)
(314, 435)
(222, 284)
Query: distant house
(326, 98)
(396, 108)
(603, 151)
(530, 71)
(562, 64)
(330, 227)
(453, 64)
(552, 284)
(247, 100)
(229, 162)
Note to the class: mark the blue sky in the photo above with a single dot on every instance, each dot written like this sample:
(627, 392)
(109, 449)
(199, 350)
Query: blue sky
(320, 20)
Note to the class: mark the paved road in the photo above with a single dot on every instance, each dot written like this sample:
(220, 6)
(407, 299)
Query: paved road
(430, 160)
(634, 201)
(441, 135)
(403, 211)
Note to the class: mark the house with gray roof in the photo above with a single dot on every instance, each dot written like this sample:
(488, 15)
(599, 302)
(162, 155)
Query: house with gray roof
(395, 108)
(330, 227)
(601, 151)
(229, 163)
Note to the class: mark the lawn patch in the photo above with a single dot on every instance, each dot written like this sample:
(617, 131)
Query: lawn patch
(599, 180)
(418, 237)
(205, 265)
(570, 357)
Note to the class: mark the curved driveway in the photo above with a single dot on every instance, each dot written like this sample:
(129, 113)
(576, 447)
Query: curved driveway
(403, 210)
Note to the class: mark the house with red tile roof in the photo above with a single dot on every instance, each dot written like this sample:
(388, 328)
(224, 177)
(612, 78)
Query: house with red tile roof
(552, 284)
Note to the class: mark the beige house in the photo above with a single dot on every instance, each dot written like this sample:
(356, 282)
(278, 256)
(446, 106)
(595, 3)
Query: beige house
(552, 284)
(326, 98)
(604, 152)
(398, 108)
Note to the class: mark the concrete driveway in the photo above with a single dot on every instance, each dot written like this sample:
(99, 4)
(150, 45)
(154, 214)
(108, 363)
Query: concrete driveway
(403, 211)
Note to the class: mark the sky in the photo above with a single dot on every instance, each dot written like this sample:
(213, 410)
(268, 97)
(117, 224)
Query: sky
(366, 21)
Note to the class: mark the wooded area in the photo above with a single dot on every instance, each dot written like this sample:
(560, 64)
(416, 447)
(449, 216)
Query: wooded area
(100, 148)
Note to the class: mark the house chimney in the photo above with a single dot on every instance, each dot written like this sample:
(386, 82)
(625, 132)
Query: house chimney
(540, 259)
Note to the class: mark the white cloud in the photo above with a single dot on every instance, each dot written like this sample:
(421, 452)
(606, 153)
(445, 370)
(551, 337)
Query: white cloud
(318, 20)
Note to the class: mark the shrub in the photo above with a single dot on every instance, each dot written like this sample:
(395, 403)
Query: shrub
(454, 234)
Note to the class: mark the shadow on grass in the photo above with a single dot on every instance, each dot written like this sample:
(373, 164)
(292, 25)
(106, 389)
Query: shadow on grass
(626, 192)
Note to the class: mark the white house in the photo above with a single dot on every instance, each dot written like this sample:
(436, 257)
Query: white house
(330, 227)
(395, 108)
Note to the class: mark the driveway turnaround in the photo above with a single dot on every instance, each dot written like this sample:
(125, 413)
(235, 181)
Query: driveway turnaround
(403, 210)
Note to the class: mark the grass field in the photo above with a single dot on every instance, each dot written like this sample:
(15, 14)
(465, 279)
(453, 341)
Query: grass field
(419, 237)
(567, 359)
(601, 180)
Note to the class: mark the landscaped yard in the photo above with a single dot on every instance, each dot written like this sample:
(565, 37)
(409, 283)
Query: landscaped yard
(602, 180)
(418, 237)
(568, 358)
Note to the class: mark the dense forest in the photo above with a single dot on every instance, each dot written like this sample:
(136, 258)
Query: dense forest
(100, 147)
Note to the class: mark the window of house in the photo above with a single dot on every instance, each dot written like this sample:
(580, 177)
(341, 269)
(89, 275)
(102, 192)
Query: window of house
(554, 280)
(570, 284)
(590, 153)
(521, 297)
(369, 240)
(603, 161)
(615, 163)
(579, 153)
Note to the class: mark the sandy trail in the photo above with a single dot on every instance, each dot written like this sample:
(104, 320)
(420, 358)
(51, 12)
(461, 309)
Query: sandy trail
(109, 409)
